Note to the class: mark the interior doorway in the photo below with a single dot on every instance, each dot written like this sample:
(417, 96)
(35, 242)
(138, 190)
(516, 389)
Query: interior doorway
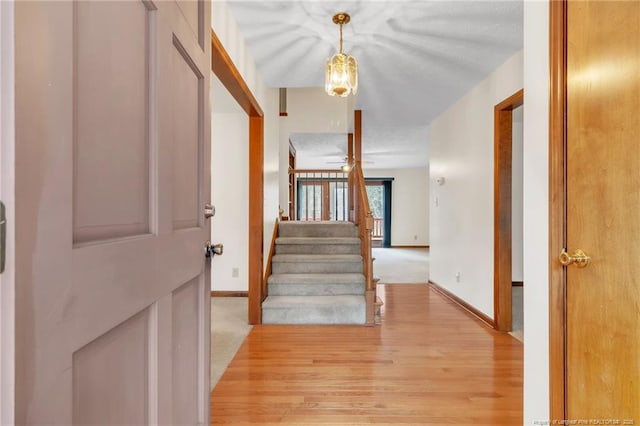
(504, 209)
(517, 219)
(379, 193)
(222, 66)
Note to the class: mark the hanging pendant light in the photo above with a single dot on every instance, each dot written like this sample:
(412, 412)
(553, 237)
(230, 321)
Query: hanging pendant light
(341, 71)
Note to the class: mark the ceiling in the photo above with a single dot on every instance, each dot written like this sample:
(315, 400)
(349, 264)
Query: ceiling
(415, 59)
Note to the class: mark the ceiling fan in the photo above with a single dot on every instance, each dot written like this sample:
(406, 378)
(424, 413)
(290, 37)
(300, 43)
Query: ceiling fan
(344, 161)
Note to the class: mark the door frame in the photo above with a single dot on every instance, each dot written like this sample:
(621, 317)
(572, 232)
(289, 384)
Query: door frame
(502, 279)
(388, 199)
(385, 184)
(7, 188)
(223, 67)
(302, 184)
(557, 207)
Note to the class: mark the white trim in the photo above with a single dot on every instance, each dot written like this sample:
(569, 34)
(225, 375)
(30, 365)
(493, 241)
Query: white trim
(7, 194)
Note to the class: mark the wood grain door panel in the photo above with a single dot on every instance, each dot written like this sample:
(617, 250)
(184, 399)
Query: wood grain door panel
(603, 205)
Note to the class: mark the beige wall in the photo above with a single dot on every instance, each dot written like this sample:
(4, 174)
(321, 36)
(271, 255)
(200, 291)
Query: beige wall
(461, 151)
(536, 211)
(225, 27)
(517, 196)
(229, 190)
(409, 204)
(310, 110)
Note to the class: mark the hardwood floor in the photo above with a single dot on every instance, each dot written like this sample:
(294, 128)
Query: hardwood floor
(428, 363)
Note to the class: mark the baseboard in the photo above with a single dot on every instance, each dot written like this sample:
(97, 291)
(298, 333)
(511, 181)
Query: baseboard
(407, 246)
(464, 305)
(517, 284)
(232, 293)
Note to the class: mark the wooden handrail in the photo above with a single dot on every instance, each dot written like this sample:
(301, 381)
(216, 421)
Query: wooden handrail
(272, 252)
(364, 219)
(331, 171)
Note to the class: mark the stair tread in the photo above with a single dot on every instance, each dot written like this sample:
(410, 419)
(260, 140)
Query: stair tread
(343, 278)
(317, 229)
(317, 240)
(317, 258)
(316, 222)
(284, 302)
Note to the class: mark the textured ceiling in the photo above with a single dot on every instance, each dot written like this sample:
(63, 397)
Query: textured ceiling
(415, 58)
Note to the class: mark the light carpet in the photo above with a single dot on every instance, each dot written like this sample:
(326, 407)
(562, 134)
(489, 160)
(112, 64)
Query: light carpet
(401, 265)
(228, 330)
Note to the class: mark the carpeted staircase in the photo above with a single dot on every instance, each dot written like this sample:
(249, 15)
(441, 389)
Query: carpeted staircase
(316, 275)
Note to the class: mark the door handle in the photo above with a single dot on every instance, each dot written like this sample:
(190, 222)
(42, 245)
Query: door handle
(209, 211)
(211, 250)
(578, 258)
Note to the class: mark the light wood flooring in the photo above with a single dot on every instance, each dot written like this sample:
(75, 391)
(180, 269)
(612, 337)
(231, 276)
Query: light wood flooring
(428, 363)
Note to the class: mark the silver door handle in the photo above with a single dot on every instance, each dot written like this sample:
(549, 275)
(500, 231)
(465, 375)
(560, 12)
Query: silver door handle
(209, 211)
(211, 250)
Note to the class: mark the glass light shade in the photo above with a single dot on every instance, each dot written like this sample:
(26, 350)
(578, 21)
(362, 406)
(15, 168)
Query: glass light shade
(341, 75)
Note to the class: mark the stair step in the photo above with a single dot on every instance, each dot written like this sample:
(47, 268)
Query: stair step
(317, 229)
(317, 245)
(315, 284)
(344, 309)
(316, 263)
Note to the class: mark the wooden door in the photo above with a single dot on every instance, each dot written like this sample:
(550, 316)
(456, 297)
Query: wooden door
(112, 154)
(603, 211)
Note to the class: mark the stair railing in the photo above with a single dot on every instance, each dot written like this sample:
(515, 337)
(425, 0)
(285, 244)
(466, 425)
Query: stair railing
(363, 218)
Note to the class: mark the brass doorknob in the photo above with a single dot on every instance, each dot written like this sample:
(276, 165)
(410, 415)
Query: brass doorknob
(578, 258)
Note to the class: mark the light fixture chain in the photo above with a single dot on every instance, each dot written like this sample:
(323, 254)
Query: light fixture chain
(341, 38)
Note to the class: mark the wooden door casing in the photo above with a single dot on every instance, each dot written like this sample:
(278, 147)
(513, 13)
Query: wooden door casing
(113, 156)
(502, 207)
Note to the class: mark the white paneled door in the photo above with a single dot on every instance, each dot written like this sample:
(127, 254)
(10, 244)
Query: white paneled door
(112, 174)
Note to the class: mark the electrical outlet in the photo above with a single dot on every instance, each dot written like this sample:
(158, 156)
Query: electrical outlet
(458, 276)
(235, 272)
(415, 238)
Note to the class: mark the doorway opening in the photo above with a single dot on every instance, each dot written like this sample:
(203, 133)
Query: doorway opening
(504, 210)
(322, 198)
(379, 193)
(222, 66)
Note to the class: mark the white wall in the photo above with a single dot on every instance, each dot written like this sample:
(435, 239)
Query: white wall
(461, 151)
(536, 208)
(517, 196)
(226, 28)
(271, 111)
(229, 189)
(310, 110)
(409, 204)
